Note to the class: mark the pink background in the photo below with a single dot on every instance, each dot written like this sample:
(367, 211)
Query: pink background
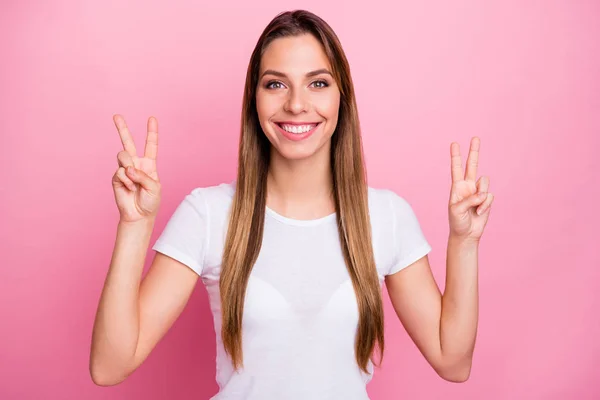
(524, 76)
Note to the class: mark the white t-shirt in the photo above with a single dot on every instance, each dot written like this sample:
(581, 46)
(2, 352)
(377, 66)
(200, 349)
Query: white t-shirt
(300, 311)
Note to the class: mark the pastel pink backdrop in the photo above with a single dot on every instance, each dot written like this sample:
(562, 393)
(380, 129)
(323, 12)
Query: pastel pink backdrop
(523, 76)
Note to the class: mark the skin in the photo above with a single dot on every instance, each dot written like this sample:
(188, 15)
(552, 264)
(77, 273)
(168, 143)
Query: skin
(134, 313)
(300, 179)
(444, 327)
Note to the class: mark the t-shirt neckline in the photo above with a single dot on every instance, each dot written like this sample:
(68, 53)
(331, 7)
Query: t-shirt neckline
(287, 220)
(299, 222)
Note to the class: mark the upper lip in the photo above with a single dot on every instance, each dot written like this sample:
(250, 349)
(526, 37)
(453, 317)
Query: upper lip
(296, 123)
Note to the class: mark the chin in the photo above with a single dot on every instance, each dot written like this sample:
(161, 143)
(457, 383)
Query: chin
(297, 152)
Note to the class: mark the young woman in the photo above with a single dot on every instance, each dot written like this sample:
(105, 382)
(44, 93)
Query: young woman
(293, 253)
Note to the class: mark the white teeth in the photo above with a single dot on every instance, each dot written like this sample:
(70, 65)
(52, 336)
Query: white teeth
(297, 128)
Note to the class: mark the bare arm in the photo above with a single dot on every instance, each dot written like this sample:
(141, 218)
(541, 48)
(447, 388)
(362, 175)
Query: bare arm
(443, 327)
(133, 316)
(134, 313)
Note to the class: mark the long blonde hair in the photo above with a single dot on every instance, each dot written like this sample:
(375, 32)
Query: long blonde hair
(245, 230)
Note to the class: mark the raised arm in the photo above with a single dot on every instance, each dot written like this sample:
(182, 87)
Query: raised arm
(444, 327)
(134, 314)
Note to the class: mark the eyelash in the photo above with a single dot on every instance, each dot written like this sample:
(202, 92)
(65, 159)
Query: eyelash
(325, 84)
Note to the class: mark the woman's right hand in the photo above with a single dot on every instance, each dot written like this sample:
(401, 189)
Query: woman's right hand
(135, 183)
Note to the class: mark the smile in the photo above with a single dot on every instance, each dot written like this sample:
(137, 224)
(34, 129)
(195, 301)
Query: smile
(297, 131)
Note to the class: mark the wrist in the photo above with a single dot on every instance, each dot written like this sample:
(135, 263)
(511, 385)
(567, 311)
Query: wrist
(462, 241)
(140, 223)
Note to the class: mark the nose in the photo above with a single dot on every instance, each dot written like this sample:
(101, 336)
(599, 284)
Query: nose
(296, 103)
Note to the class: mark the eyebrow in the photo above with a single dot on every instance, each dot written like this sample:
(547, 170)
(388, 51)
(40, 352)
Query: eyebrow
(309, 74)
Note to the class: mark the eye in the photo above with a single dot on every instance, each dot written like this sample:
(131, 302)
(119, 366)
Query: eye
(320, 84)
(323, 83)
(270, 84)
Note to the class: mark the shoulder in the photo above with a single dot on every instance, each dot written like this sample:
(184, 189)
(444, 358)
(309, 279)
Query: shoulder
(396, 230)
(201, 206)
(390, 210)
(211, 198)
(387, 203)
(215, 194)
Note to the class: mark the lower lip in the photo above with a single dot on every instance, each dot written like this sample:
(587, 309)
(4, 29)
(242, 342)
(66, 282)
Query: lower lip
(296, 136)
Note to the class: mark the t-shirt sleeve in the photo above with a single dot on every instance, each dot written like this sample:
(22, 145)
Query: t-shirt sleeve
(409, 242)
(185, 236)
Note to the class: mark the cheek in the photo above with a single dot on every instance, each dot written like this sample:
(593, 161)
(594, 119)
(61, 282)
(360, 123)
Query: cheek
(260, 106)
(267, 105)
(328, 107)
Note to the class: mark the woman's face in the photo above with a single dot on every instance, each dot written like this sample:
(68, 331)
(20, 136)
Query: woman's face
(297, 99)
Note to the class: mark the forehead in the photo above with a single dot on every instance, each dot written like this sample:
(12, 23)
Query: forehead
(295, 55)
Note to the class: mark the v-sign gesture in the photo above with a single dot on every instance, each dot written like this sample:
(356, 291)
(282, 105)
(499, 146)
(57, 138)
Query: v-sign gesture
(135, 183)
(470, 202)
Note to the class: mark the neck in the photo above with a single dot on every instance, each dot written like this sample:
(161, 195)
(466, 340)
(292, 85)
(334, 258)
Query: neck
(301, 188)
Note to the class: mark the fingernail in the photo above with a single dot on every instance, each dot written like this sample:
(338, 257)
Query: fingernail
(482, 194)
(479, 211)
(130, 170)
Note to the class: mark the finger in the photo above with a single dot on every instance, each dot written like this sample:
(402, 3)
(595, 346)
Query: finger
(151, 139)
(456, 163)
(126, 139)
(139, 176)
(473, 160)
(124, 159)
(483, 184)
(121, 176)
(486, 205)
(470, 202)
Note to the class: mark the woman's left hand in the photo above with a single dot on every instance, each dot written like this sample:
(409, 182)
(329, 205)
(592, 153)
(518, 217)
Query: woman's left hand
(470, 202)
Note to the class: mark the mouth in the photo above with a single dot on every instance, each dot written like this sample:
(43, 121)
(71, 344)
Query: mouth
(296, 131)
(297, 128)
